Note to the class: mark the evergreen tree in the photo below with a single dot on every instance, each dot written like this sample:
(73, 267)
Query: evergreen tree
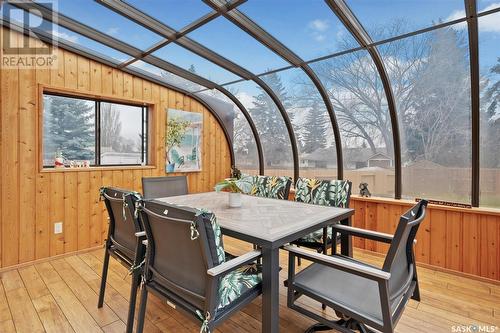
(69, 127)
(492, 94)
(314, 129)
(268, 120)
(490, 122)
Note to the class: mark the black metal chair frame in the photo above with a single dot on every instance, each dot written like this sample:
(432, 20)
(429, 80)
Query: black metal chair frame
(350, 319)
(164, 179)
(132, 260)
(166, 289)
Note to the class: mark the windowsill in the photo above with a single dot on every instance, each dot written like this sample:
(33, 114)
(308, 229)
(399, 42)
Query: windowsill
(409, 203)
(99, 168)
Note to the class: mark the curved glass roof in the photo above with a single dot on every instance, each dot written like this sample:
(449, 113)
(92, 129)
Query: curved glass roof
(400, 95)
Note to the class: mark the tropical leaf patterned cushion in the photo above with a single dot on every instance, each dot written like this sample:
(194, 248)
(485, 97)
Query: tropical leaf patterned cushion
(316, 237)
(214, 235)
(259, 186)
(236, 283)
(271, 187)
(334, 193)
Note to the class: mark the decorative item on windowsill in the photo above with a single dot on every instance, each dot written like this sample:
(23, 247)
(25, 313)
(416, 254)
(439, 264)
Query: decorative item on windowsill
(59, 159)
(235, 186)
(176, 129)
(363, 190)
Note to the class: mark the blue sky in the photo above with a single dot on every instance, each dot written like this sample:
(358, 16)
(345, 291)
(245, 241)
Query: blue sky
(308, 27)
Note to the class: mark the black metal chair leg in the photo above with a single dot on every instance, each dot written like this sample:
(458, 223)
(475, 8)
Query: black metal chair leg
(299, 261)
(317, 328)
(136, 279)
(104, 277)
(142, 310)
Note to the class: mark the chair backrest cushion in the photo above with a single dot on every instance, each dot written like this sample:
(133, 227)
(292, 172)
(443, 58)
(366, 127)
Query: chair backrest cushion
(335, 193)
(271, 187)
(161, 187)
(123, 223)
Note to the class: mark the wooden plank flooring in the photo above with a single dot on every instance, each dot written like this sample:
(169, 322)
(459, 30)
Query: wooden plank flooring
(60, 295)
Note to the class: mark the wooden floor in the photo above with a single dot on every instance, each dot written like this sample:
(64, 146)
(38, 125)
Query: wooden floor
(61, 296)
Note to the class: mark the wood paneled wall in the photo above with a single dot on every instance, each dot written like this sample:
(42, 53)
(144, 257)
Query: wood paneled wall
(460, 239)
(31, 201)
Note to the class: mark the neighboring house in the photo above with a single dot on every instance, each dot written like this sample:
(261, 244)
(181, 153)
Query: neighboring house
(354, 158)
(379, 160)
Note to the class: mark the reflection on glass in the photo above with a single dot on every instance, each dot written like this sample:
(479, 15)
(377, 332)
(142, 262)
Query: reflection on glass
(105, 20)
(486, 5)
(358, 98)
(310, 122)
(174, 13)
(122, 136)
(228, 40)
(309, 28)
(164, 76)
(430, 77)
(244, 146)
(195, 64)
(387, 18)
(68, 129)
(489, 62)
(270, 125)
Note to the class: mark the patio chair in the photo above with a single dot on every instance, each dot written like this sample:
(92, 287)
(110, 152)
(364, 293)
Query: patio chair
(362, 295)
(161, 187)
(124, 241)
(334, 193)
(271, 187)
(186, 265)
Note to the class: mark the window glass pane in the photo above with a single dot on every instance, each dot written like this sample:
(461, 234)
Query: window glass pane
(68, 129)
(387, 18)
(278, 157)
(308, 28)
(165, 76)
(245, 148)
(194, 63)
(174, 13)
(310, 122)
(228, 40)
(360, 105)
(109, 22)
(486, 5)
(489, 62)
(430, 77)
(122, 137)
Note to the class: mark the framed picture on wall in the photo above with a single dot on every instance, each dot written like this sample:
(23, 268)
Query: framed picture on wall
(183, 143)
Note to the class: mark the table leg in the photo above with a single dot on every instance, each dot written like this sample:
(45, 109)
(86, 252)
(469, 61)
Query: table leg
(346, 240)
(270, 290)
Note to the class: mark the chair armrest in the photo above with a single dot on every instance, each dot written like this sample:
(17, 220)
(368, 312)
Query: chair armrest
(339, 263)
(140, 234)
(364, 233)
(358, 232)
(234, 263)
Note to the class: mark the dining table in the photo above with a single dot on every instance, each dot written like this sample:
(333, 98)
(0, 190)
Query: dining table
(269, 224)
